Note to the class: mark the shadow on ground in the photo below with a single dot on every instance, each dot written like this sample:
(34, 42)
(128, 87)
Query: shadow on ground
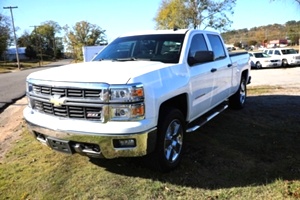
(253, 146)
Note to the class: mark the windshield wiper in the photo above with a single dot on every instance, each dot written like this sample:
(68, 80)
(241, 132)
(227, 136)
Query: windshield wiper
(125, 59)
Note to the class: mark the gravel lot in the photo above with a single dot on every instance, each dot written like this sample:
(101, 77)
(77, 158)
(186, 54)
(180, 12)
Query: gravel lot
(285, 77)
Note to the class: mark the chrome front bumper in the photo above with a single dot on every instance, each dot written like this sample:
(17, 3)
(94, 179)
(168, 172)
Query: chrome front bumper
(91, 144)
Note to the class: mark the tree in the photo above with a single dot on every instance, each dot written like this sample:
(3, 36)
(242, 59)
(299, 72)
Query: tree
(5, 36)
(30, 52)
(83, 34)
(194, 14)
(42, 41)
(292, 31)
(172, 14)
(47, 31)
(28, 40)
(24, 40)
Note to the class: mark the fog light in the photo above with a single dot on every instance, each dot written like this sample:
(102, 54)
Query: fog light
(123, 143)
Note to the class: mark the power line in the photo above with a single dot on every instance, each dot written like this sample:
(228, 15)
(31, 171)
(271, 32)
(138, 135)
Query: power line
(15, 37)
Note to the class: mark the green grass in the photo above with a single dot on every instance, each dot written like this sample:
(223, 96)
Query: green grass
(248, 154)
(263, 89)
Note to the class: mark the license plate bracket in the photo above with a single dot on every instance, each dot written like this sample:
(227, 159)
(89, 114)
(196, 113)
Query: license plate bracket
(59, 145)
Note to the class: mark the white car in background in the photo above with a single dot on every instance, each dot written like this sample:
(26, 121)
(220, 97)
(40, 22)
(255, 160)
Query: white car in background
(288, 56)
(260, 59)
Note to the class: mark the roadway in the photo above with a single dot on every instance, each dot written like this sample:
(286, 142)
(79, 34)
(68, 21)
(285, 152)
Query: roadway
(13, 85)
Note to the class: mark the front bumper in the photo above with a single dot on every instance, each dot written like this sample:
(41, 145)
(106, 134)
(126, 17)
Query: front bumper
(271, 64)
(88, 143)
(294, 62)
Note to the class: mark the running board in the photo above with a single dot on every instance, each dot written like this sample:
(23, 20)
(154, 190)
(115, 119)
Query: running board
(206, 118)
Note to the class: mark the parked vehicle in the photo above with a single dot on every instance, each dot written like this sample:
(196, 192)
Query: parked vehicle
(259, 60)
(139, 96)
(288, 56)
(89, 52)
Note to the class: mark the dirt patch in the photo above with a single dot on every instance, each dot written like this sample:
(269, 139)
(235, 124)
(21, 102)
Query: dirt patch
(11, 125)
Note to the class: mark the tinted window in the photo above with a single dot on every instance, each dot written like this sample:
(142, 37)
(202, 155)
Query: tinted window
(198, 44)
(277, 52)
(288, 51)
(217, 46)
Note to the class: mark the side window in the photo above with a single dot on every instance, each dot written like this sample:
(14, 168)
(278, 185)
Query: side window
(198, 44)
(217, 46)
(277, 52)
(270, 52)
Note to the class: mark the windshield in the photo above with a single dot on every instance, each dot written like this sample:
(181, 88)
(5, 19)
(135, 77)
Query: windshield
(164, 48)
(288, 51)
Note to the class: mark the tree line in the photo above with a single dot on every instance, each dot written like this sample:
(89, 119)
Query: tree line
(259, 36)
(44, 40)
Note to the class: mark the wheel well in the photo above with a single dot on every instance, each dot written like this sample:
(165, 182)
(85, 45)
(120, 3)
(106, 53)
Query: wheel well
(245, 74)
(179, 102)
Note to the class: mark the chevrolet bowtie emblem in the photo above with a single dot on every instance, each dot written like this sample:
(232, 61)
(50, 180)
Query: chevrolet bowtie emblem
(57, 100)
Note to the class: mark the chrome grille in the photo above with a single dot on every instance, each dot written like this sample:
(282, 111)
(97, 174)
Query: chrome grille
(67, 92)
(274, 60)
(77, 112)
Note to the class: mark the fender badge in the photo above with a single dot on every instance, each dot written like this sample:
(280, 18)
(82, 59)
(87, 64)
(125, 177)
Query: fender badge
(57, 101)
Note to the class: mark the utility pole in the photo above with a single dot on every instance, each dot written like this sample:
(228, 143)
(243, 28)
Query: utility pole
(12, 19)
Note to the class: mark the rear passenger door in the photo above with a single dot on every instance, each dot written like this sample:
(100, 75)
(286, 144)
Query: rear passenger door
(222, 70)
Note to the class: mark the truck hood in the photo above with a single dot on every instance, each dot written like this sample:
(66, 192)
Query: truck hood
(113, 72)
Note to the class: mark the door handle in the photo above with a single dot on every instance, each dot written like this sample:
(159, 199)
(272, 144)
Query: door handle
(229, 65)
(213, 70)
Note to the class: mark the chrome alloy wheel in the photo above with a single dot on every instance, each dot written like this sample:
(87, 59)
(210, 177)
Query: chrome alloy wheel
(243, 91)
(173, 141)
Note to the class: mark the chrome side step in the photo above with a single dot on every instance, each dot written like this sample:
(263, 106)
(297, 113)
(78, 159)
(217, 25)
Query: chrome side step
(206, 118)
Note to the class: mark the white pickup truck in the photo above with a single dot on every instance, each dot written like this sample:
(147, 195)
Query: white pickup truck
(288, 56)
(139, 96)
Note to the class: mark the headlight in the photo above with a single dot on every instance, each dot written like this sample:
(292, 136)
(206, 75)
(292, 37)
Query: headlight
(126, 102)
(28, 87)
(28, 90)
(126, 93)
(127, 112)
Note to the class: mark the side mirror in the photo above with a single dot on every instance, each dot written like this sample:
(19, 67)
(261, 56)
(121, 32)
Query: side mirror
(201, 57)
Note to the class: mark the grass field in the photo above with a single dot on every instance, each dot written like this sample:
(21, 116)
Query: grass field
(13, 66)
(248, 154)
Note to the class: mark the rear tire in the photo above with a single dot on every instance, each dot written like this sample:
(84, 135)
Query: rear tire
(237, 101)
(170, 134)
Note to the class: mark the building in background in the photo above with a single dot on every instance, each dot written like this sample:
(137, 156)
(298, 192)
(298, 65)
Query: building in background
(278, 43)
(10, 54)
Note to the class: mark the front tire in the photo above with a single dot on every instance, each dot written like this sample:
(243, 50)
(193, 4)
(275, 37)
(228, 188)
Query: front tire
(170, 134)
(237, 101)
(258, 65)
(284, 63)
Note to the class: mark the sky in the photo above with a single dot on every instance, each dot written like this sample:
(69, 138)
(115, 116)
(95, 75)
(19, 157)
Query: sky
(122, 16)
